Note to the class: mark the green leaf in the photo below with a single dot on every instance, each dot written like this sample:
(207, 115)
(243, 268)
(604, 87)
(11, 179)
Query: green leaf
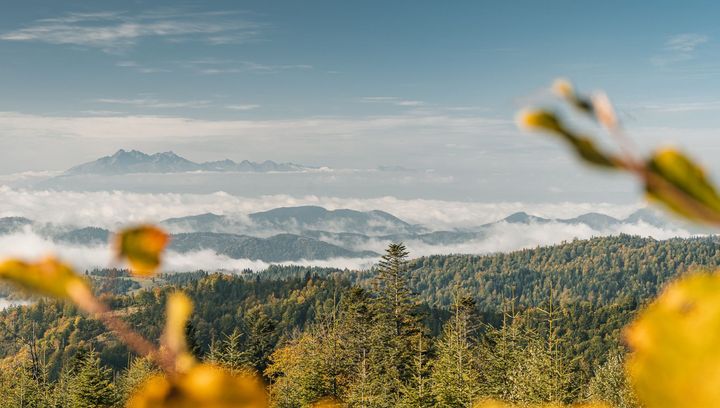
(586, 149)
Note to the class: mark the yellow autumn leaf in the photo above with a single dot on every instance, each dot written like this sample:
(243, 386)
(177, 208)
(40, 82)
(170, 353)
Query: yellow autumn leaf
(682, 186)
(675, 359)
(48, 277)
(142, 247)
(563, 88)
(540, 120)
(205, 385)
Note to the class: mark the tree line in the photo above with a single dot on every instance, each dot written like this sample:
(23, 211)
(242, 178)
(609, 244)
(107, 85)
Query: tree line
(374, 339)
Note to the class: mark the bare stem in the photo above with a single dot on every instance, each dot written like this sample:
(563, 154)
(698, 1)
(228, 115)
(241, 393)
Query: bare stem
(91, 305)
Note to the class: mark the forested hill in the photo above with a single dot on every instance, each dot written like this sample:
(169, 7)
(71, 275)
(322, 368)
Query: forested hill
(596, 271)
(595, 288)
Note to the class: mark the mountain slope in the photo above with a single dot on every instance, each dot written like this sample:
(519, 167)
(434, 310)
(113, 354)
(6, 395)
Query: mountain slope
(343, 220)
(595, 221)
(279, 248)
(597, 271)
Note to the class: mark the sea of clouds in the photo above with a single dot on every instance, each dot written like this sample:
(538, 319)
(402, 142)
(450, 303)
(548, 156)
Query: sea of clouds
(114, 209)
(110, 209)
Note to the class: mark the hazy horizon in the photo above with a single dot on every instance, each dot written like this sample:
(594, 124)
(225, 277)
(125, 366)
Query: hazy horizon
(407, 108)
(435, 92)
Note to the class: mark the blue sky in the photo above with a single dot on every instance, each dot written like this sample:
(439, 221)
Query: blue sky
(420, 84)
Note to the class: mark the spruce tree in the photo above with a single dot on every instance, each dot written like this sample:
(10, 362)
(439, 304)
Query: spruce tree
(357, 318)
(139, 371)
(21, 388)
(229, 353)
(609, 384)
(396, 323)
(261, 338)
(417, 391)
(92, 385)
(455, 373)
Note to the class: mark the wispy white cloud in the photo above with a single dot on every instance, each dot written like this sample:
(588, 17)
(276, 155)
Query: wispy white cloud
(678, 107)
(392, 100)
(213, 66)
(143, 69)
(685, 42)
(680, 47)
(243, 107)
(101, 112)
(172, 127)
(155, 103)
(466, 108)
(112, 31)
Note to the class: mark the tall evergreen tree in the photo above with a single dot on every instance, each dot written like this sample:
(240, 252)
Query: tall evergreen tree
(139, 370)
(396, 323)
(261, 337)
(229, 352)
(539, 375)
(609, 384)
(455, 373)
(91, 385)
(22, 387)
(322, 361)
(417, 391)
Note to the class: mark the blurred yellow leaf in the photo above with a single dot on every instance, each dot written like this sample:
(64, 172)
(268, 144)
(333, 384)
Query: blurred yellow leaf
(540, 120)
(48, 277)
(179, 307)
(205, 386)
(676, 346)
(584, 146)
(564, 89)
(142, 247)
(681, 185)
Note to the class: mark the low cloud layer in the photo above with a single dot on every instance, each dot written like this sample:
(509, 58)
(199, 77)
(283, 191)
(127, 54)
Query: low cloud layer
(504, 237)
(113, 209)
(109, 209)
(29, 245)
(501, 237)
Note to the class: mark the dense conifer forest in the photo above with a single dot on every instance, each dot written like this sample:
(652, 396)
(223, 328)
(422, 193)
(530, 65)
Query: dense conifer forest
(535, 325)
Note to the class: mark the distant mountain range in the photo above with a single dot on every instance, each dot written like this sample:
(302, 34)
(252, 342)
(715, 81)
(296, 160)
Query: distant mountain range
(314, 233)
(594, 220)
(297, 220)
(133, 161)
